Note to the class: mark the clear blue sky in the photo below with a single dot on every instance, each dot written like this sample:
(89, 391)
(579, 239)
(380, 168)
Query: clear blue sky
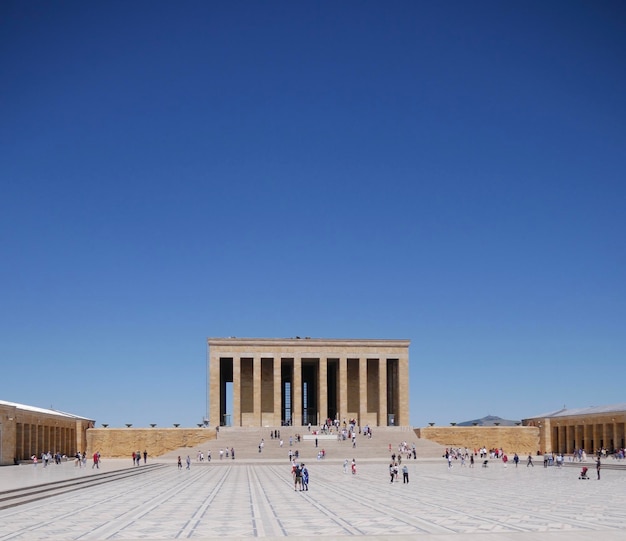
(448, 172)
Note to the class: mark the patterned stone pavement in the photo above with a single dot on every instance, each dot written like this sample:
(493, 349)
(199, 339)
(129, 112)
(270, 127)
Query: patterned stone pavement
(244, 500)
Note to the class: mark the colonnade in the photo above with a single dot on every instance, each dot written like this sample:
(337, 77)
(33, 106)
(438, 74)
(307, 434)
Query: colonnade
(589, 436)
(589, 429)
(40, 438)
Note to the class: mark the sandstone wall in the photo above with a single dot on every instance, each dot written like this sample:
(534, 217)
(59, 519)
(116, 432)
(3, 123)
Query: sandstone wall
(121, 442)
(512, 439)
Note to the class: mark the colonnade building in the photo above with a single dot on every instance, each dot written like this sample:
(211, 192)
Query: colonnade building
(590, 429)
(27, 430)
(297, 381)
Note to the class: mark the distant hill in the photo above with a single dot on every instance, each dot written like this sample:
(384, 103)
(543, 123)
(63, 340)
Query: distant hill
(490, 420)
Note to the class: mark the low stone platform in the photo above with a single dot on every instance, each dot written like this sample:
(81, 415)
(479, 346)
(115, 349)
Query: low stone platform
(245, 499)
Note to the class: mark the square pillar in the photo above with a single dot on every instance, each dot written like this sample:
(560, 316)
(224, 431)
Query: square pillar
(362, 391)
(343, 388)
(382, 392)
(322, 391)
(296, 393)
(277, 392)
(214, 391)
(236, 391)
(403, 381)
(256, 399)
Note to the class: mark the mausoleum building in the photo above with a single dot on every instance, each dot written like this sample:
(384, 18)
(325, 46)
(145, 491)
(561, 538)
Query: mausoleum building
(297, 381)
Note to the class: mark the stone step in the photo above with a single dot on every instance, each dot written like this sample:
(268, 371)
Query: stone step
(246, 442)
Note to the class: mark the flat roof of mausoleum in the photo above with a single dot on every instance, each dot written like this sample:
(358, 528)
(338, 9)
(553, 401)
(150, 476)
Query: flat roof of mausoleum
(295, 341)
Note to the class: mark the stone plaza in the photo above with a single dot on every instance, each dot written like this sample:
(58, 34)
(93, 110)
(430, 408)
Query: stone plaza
(241, 499)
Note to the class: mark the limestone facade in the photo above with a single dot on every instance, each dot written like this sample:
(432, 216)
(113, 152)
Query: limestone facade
(589, 429)
(26, 431)
(297, 381)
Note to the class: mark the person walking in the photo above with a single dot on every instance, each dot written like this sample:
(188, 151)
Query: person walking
(180, 463)
(96, 460)
(305, 477)
(598, 466)
(529, 462)
(188, 462)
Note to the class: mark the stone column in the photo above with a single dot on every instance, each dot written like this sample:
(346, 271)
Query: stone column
(322, 391)
(403, 369)
(214, 391)
(256, 382)
(362, 391)
(296, 393)
(236, 391)
(277, 391)
(604, 436)
(343, 388)
(594, 429)
(547, 436)
(382, 391)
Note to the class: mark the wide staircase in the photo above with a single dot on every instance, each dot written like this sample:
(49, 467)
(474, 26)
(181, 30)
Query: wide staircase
(246, 441)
